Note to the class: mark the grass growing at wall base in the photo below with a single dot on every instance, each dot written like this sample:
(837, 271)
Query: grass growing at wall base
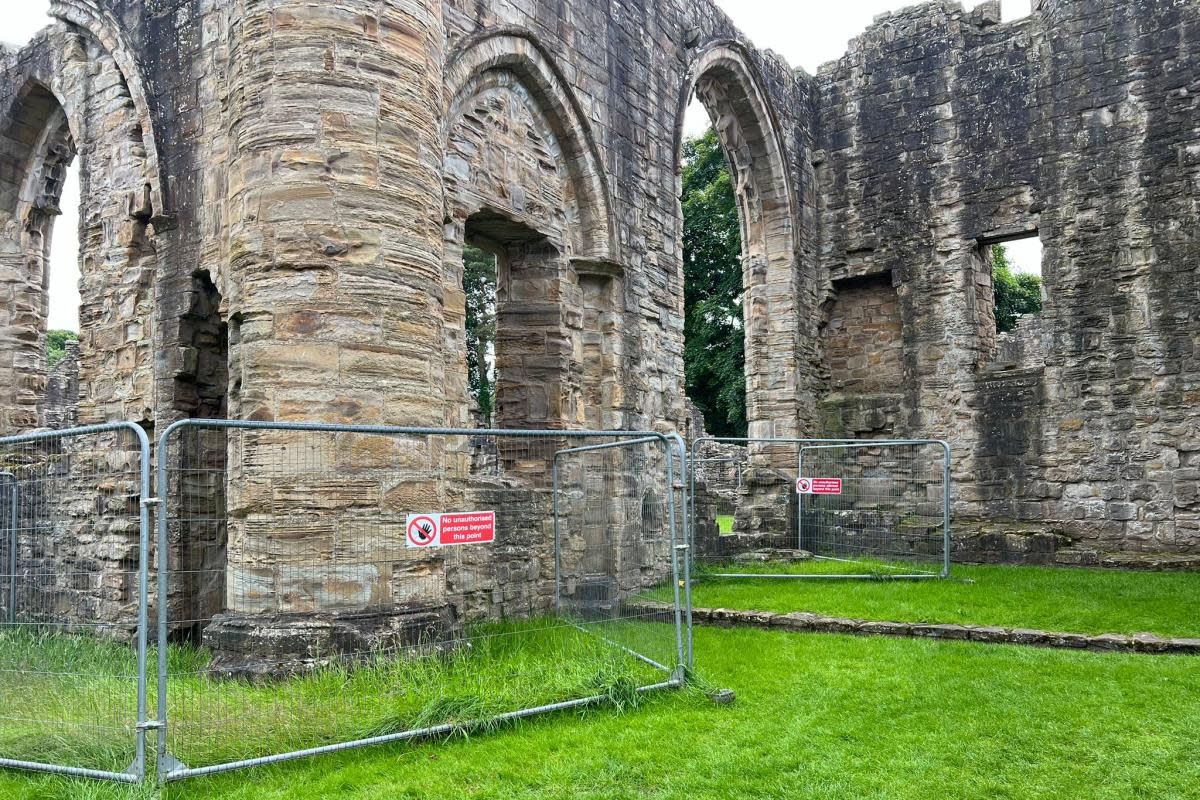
(819, 716)
(1090, 601)
(78, 694)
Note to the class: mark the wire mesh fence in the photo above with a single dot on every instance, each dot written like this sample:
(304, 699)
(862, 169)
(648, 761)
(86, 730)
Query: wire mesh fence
(73, 610)
(820, 509)
(330, 586)
(883, 505)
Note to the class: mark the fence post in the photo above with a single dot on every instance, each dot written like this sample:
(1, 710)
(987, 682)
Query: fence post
(686, 539)
(946, 541)
(799, 501)
(139, 766)
(14, 499)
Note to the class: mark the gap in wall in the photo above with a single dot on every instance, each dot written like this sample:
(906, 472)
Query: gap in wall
(714, 333)
(1016, 278)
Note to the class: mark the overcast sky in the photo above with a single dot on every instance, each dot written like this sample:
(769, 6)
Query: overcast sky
(805, 32)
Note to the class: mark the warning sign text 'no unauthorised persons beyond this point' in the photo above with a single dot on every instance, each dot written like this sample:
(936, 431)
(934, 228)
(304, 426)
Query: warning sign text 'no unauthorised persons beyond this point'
(819, 485)
(459, 527)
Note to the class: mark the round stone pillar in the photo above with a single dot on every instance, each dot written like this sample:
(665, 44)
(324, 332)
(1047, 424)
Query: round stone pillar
(334, 238)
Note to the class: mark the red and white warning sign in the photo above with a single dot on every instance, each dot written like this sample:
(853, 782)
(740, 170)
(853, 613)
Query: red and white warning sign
(819, 485)
(441, 530)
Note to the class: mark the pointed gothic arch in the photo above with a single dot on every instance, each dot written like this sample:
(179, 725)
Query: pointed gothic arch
(722, 76)
(477, 60)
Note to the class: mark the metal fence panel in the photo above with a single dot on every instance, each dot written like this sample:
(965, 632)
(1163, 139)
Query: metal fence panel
(73, 611)
(306, 614)
(884, 505)
(881, 508)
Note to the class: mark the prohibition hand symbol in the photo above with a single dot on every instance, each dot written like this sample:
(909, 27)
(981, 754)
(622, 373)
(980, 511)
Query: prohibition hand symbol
(421, 531)
(803, 485)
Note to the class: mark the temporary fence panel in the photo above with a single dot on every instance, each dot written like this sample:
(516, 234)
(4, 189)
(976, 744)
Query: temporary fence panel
(743, 507)
(332, 586)
(854, 509)
(882, 505)
(73, 610)
(614, 518)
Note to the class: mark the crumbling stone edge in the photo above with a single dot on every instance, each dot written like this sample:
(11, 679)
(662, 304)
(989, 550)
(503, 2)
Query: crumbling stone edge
(805, 622)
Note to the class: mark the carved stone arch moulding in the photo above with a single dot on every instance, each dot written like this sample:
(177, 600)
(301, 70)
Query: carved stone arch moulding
(37, 145)
(517, 52)
(502, 156)
(726, 82)
(88, 16)
(46, 126)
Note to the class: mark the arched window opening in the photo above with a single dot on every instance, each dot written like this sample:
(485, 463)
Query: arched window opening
(58, 407)
(714, 335)
(39, 146)
(725, 81)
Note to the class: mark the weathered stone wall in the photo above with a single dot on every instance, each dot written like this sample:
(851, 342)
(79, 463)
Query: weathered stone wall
(942, 131)
(277, 193)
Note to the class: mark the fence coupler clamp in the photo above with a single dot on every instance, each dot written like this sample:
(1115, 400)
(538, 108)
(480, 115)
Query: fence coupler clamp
(149, 725)
(152, 501)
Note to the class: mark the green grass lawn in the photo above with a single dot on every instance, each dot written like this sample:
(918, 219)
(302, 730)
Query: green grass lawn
(817, 716)
(78, 693)
(1062, 599)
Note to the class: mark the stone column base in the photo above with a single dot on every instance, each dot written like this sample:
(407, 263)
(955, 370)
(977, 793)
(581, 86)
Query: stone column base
(275, 646)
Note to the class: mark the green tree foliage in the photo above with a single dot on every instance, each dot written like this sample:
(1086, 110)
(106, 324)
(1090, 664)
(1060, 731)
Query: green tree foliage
(56, 346)
(1016, 293)
(479, 284)
(714, 350)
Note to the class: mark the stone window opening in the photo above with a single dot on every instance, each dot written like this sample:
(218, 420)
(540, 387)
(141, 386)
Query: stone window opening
(530, 382)
(1011, 295)
(714, 199)
(50, 190)
(727, 85)
(60, 281)
(480, 266)
(864, 335)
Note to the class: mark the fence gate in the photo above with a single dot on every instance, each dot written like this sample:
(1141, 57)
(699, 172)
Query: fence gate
(75, 530)
(819, 508)
(330, 586)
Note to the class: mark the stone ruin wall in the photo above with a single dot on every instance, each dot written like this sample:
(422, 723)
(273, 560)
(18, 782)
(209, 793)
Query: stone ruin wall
(1075, 436)
(278, 193)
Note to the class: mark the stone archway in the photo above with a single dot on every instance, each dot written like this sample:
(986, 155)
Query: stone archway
(35, 153)
(75, 100)
(516, 54)
(522, 178)
(722, 77)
